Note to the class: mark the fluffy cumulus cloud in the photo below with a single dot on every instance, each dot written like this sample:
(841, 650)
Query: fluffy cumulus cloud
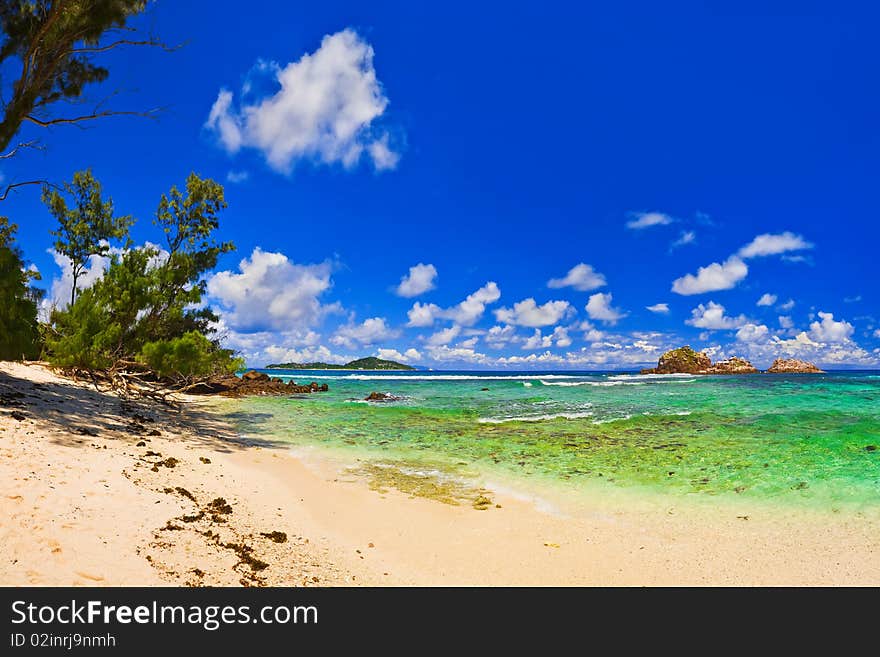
(659, 308)
(423, 314)
(752, 333)
(458, 354)
(420, 279)
(528, 313)
(324, 110)
(260, 348)
(466, 313)
(369, 332)
(711, 278)
(580, 277)
(472, 308)
(599, 308)
(829, 330)
(558, 338)
(774, 244)
(444, 336)
(499, 337)
(269, 291)
(767, 299)
(711, 316)
(408, 356)
(788, 305)
(642, 220)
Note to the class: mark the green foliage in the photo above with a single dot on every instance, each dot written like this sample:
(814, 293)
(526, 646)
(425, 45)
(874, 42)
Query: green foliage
(19, 330)
(86, 226)
(147, 308)
(191, 355)
(53, 43)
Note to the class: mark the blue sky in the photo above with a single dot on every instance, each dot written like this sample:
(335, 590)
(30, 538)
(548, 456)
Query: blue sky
(549, 171)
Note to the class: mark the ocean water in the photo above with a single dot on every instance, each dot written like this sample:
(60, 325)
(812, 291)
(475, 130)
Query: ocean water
(811, 439)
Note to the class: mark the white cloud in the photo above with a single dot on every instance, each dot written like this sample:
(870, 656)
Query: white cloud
(711, 316)
(423, 314)
(581, 277)
(774, 244)
(829, 330)
(444, 353)
(499, 337)
(528, 313)
(466, 313)
(236, 177)
(62, 285)
(599, 307)
(319, 354)
(752, 333)
(270, 291)
(767, 299)
(408, 356)
(263, 347)
(559, 338)
(323, 110)
(368, 332)
(661, 308)
(444, 336)
(788, 305)
(420, 279)
(785, 322)
(472, 308)
(591, 333)
(383, 156)
(877, 333)
(686, 237)
(645, 219)
(714, 277)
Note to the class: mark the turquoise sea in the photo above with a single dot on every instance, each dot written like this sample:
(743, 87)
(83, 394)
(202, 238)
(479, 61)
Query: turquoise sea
(811, 439)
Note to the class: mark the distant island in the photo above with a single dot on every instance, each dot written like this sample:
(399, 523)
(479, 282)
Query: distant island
(370, 363)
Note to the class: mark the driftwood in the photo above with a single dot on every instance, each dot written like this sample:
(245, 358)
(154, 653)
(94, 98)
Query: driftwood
(130, 381)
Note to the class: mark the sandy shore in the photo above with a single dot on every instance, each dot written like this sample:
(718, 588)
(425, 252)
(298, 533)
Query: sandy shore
(94, 490)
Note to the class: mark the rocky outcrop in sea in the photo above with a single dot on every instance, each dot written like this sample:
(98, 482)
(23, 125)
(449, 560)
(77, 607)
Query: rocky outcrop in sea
(793, 366)
(685, 360)
(254, 383)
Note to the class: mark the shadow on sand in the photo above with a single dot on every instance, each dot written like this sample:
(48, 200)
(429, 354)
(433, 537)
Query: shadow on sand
(74, 411)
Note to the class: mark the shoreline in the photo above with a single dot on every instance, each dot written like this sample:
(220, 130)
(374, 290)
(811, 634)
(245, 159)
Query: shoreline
(84, 509)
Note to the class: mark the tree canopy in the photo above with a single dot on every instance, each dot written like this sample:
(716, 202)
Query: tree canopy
(86, 226)
(147, 309)
(19, 330)
(54, 45)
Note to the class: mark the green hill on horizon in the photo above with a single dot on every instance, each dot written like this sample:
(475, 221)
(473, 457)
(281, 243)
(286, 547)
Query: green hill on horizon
(369, 363)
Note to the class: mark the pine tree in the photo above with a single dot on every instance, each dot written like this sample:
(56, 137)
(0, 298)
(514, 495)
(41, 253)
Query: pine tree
(19, 331)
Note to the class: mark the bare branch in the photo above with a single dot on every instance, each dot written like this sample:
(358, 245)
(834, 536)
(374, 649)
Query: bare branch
(149, 114)
(33, 143)
(12, 186)
(125, 42)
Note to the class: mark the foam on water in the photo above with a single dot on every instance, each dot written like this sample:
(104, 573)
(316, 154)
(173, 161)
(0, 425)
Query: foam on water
(535, 418)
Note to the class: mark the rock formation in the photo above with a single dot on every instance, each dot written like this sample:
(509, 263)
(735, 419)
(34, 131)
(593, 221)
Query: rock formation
(683, 360)
(380, 397)
(254, 383)
(734, 365)
(793, 366)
